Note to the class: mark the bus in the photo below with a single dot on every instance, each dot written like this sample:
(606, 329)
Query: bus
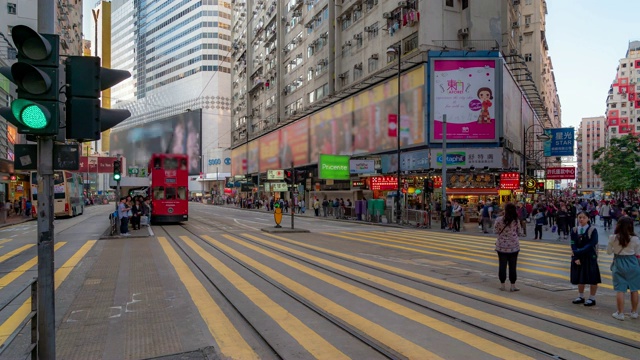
(67, 193)
(169, 175)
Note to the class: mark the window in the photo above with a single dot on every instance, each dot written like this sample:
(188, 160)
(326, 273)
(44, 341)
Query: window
(528, 38)
(11, 8)
(358, 38)
(344, 78)
(528, 2)
(528, 57)
(373, 63)
(527, 20)
(624, 65)
(373, 30)
(357, 71)
(158, 193)
(465, 4)
(449, 3)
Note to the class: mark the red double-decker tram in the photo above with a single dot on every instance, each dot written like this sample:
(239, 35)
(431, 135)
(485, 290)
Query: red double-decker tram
(169, 188)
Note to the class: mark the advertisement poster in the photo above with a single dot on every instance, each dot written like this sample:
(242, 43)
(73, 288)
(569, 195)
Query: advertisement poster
(360, 125)
(512, 108)
(294, 141)
(270, 151)
(178, 134)
(253, 157)
(362, 166)
(409, 161)
(333, 167)
(238, 157)
(464, 90)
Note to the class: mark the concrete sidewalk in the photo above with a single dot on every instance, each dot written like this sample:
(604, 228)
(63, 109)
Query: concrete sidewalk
(15, 219)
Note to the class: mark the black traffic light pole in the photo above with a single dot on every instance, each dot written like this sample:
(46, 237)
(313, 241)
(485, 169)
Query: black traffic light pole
(46, 300)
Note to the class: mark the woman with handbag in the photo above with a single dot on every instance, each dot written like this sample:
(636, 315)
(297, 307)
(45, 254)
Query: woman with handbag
(584, 259)
(625, 268)
(508, 245)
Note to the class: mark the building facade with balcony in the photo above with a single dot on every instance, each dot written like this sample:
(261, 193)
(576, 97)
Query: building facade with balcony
(592, 135)
(623, 102)
(298, 62)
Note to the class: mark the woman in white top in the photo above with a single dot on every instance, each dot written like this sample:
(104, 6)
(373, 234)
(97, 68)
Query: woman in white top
(625, 247)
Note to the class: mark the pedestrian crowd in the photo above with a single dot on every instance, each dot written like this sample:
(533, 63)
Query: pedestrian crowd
(133, 212)
(574, 220)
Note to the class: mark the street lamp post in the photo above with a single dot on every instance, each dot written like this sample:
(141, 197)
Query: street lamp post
(541, 137)
(396, 50)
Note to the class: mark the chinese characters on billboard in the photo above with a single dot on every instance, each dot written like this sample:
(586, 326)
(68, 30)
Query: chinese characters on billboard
(560, 143)
(510, 181)
(561, 173)
(465, 91)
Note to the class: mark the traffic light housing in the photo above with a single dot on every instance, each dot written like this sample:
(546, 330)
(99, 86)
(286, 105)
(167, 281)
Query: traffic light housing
(85, 119)
(37, 110)
(117, 170)
(428, 185)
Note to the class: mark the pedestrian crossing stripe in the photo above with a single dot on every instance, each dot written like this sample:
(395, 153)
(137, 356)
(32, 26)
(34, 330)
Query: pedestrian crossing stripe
(526, 306)
(444, 328)
(15, 252)
(316, 345)
(441, 254)
(229, 340)
(20, 270)
(16, 319)
(497, 350)
(468, 248)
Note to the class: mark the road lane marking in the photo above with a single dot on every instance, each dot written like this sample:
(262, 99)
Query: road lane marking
(380, 333)
(456, 250)
(494, 349)
(15, 252)
(231, 343)
(526, 306)
(12, 323)
(20, 270)
(453, 256)
(4, 241)
(471, 339)
(315, 344)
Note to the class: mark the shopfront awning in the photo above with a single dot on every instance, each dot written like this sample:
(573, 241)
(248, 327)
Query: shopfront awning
(472, 192)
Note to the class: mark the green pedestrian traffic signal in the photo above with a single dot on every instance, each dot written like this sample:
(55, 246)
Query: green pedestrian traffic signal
(37, 110)
(117, 170)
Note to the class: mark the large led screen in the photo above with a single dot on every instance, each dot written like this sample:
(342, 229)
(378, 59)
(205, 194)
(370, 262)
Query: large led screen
(178, 134)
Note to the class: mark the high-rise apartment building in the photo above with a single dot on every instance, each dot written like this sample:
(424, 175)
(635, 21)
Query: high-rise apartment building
(591, 136)
(623, 104)
(291, 58)
(179, 56)
(534, 49)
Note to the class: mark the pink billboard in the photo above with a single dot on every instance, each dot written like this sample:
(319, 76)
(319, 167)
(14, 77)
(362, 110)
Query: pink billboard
(465, 90)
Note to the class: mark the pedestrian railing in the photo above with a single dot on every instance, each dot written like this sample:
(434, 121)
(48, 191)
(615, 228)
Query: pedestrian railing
(31, 318)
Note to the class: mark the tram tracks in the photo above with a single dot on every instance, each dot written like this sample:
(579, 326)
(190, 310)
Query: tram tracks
(381, 348)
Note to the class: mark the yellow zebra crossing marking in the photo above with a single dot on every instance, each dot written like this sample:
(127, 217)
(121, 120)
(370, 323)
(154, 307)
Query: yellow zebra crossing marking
(309, 339)
(12, 323)
(15, 252)
(231, 343)
(581, 322)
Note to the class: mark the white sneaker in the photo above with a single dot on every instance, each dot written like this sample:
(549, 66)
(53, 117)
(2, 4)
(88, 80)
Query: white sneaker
(633, 315)
(618, 316)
